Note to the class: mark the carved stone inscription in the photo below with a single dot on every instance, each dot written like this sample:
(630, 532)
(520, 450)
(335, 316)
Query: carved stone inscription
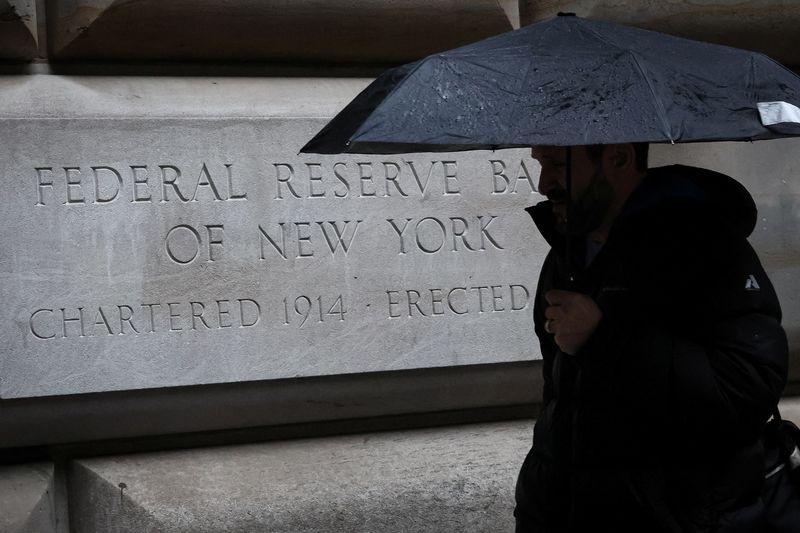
(143, 254)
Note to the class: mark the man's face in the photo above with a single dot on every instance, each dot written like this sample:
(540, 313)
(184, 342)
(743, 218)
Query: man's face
(591, 191)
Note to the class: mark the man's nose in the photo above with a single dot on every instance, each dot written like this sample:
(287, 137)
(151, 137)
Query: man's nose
(547, 182)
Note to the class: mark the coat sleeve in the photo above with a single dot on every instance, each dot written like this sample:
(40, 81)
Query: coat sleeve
(699, 350)
(547, 346)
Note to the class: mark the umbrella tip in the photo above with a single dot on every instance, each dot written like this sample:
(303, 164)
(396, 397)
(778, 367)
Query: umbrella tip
(564, 14)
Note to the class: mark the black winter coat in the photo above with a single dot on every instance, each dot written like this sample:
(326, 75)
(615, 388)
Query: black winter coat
(654, 424)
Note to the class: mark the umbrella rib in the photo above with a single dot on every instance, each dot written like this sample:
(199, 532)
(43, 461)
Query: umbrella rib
(662, 115)
(358, 131)
(452, 61)
(599, 36)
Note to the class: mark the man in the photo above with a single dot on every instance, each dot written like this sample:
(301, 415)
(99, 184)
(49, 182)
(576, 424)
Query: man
(662, 345)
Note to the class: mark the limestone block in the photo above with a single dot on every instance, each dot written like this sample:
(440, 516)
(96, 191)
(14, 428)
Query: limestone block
(26, 499)
(437, 480)
(18, 32)
(790, 409)
(767, 26)
(511, 7)
(149, 245)
(311, 31)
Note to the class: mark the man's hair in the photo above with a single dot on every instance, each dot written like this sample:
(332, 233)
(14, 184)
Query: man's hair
(595, 151)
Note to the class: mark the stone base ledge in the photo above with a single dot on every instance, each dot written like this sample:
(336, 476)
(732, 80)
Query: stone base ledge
(433, 480)
(18, 30)
(457, 478)
(27, 498)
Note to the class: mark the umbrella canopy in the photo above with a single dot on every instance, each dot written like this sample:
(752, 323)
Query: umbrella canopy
(568, 81)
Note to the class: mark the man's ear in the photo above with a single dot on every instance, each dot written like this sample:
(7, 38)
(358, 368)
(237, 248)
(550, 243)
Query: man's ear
(619, 157)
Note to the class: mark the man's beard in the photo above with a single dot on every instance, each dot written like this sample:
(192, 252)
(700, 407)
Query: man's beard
(586, 212)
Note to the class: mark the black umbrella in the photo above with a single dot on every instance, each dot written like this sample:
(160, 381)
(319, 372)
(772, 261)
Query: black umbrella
(568, 81)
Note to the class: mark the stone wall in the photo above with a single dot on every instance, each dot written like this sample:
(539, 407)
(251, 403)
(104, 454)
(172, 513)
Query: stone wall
(174, 274)
(766, 26)
(173, 237)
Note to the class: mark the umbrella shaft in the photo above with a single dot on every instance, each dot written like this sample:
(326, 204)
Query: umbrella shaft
(568, 272)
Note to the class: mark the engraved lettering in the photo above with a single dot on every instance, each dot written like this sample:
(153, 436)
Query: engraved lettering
(336, 179)
(450, 177)
(498, 172)
(304, 307)
(224, 311)
(144, 183)
(365, 177)
(174, 315)
(214, 241)
(459, 226)
(186, 240)
(205, 180)
(247, 314)
(170, 181)
(393, 302)
(480, 297)
(126, 319)
(497, 297)
(400, 233)
(265, 236)
(339, 235)
(413, 298)
(501, 183)
(450, 300)
(314, 178)
(100, 319)
(37, 331)
(514, 306)
(392, 178)
(440, 239)
(431, 234)
(342, 180)
(197, 313)
(73, 184)
(525, 176)
(303, 238)
(116, 184)
(41, 184)
(65, 321)
(231, 194)
(437, 296)
(151, 307)
(485, 233)
(255, 312)
(109, 185)
(285, 180)
(422, 187)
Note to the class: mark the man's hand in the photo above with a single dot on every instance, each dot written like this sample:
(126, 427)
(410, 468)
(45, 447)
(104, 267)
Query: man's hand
(572, 317)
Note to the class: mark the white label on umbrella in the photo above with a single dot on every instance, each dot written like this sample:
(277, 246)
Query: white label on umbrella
(778, 113)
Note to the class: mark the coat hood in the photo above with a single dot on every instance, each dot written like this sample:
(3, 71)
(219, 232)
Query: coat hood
(720, 197)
